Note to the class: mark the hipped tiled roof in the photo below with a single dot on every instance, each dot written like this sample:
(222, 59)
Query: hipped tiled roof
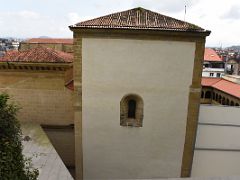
(226, 86)
(211, 55)
(138, 18)
(38, 55)
(50, 41)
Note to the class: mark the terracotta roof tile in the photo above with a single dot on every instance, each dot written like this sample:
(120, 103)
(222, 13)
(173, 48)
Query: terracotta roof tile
(50, 41)
(38, 55)
(228, 87)
(138, 18)
(208, 81)
(211, 55)
(70, 85)
(223, 85)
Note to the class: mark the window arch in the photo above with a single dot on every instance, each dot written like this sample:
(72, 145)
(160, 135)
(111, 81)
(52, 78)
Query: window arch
(227, 103)
(220, 99)
(131, 111)
(232, 103)
(208, 95)
(223, 101)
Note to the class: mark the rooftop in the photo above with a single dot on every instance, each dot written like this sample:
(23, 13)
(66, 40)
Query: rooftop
(50, 41)
(222, 85)
(139, 18)
(211, 55)
(37, 55)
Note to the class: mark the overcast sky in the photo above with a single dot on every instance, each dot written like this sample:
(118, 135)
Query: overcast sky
(34, 18)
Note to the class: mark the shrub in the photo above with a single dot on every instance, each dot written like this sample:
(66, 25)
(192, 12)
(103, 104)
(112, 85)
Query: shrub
(13, 165)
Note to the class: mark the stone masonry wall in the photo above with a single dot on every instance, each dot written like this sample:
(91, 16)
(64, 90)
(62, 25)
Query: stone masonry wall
(42, 97)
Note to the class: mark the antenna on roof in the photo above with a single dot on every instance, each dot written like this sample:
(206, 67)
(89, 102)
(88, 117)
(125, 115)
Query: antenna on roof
(185, 11)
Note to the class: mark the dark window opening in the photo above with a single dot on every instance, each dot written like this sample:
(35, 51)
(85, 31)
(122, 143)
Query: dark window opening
(131, 111)
(208, 95)
(227, 103)
(131, 108)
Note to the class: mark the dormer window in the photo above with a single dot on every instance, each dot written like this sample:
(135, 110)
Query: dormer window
(131, 111)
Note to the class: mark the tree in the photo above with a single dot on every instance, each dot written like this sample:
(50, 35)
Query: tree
(13, 164)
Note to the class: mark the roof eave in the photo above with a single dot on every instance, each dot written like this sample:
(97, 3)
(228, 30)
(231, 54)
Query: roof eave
(203, 33)
(66, 64)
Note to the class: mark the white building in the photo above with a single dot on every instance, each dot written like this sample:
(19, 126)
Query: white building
(213, 65)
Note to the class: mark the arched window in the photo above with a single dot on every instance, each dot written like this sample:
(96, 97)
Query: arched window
(131, 111)
(220, 99)
(223, 101)
(227, 103)
(208, 95)
(236, 104)
(232, 103)
(202, 94)
(131, 108)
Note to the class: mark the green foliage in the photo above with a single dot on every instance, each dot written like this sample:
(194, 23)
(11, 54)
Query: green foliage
(13, 165)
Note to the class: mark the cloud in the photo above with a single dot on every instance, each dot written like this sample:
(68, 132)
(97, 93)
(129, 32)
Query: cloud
(28, 14)
(74, 18)
(233, 13)
(25, 24)
(164, 5)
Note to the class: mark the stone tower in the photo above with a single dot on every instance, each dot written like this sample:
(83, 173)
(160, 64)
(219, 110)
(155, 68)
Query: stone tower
(137, 91)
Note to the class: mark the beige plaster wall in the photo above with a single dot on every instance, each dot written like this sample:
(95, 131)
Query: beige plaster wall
(42, 96)
(158, 71)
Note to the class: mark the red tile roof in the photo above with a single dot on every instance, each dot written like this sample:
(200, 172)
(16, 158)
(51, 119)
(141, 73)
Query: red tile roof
(139, 18)
(70, 85)
(228, 87)
(223, 85)
(50, 41)
(208, 81)
(211, 55)
(38, 55)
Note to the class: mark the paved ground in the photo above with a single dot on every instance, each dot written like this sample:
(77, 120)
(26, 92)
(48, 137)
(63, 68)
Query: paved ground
(45, 158)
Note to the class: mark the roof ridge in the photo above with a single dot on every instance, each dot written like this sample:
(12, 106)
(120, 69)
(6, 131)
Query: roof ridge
(54, 53)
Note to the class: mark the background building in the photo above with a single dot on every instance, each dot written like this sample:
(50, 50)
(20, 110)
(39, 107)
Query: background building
(213, 65)
(38, 80)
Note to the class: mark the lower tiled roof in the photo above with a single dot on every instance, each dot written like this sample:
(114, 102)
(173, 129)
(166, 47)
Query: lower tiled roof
(208, 81)
(38, 55)
(226, 86)
(211, 55)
